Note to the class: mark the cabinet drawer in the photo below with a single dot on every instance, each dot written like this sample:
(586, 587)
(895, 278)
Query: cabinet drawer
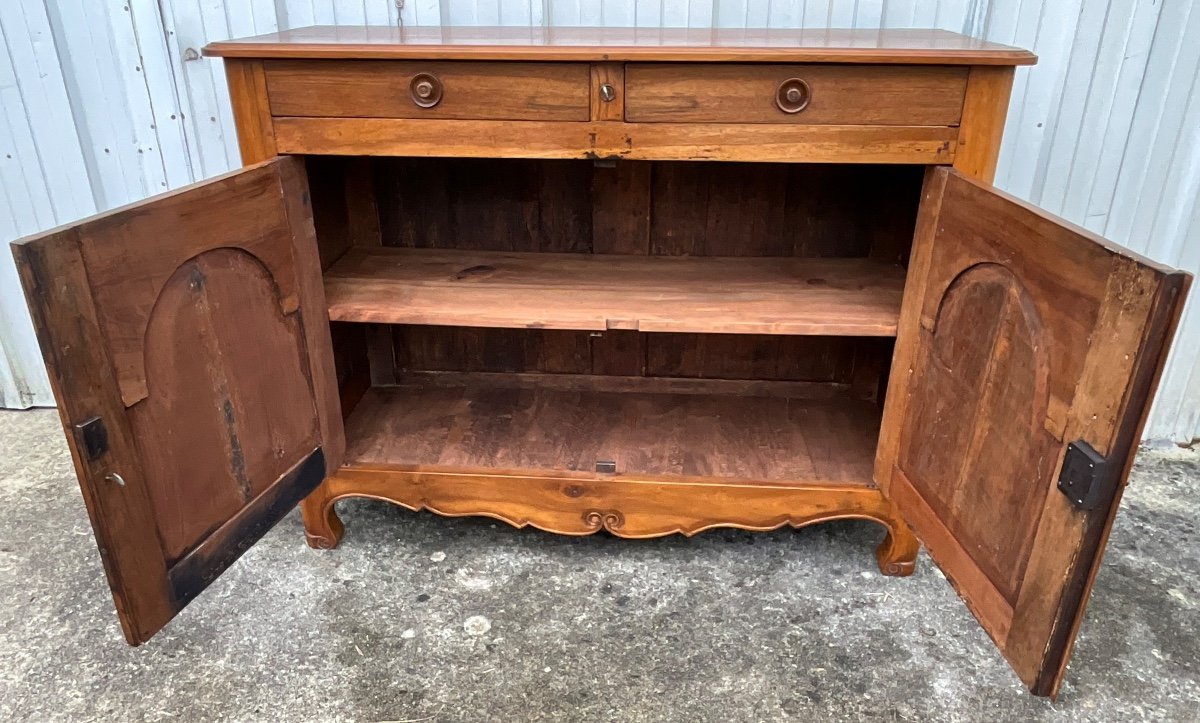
(807, 94)
(418, 89)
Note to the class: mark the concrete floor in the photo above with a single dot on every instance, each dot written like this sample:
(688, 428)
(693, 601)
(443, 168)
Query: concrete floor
(420, 618)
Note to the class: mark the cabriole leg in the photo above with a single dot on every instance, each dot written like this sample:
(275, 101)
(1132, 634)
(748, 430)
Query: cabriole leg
(897, 554)
(322, 527)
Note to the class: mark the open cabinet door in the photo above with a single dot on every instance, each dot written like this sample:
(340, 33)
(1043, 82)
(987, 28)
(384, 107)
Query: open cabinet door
(187, 341)
(1027, 355)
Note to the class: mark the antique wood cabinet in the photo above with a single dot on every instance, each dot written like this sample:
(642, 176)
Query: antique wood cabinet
(640, 281)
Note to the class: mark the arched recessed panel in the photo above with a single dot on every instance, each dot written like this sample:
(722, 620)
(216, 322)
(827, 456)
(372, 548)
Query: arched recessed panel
(984, 352)
(244, 211)
(244, 410)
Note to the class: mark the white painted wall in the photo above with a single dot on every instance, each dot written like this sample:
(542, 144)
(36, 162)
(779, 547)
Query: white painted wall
(108, 102)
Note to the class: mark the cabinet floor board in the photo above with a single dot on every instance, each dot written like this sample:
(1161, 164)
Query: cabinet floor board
(480, 424)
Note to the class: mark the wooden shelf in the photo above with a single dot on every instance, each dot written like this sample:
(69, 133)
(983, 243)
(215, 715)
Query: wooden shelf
(815, 296)
(756, 433)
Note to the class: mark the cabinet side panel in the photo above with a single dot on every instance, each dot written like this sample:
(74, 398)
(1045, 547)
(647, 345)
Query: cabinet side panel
(293, 183)
(327, 185)
(984, 112)
(251, 111)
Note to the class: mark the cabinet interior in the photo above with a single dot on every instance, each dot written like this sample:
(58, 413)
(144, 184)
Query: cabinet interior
(675, 319)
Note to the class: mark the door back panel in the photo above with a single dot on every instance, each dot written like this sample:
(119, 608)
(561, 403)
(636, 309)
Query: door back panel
(974, 419)
(1019, 334)
(188, 344)
(241, 407)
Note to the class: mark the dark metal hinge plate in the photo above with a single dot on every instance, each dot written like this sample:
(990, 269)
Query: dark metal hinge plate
(1085, 478)
(93, 436)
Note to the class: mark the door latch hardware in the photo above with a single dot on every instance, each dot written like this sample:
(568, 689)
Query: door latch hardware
(1084, 478)
(94, 437)
(606, 466)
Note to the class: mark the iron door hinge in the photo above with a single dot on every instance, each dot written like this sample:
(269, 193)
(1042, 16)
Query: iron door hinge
(1085, 478)
(93, 435)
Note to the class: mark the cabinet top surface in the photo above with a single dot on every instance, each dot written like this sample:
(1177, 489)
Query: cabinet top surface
(822, 45)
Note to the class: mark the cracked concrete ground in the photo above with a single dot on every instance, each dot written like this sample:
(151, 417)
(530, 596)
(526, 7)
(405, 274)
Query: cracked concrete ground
(420, 618)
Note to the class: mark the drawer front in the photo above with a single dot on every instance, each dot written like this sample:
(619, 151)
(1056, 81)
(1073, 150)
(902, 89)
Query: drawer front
(417, 89)
(805, 94)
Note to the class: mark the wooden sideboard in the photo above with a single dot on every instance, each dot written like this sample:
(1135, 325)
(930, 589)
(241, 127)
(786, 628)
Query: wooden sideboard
(639, 281)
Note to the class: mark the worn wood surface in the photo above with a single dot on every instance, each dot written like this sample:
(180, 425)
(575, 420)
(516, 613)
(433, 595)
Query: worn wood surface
(1019, 334)
(481, 421)
(216, 341)
(590, 292)
(380, 89)
(193, 325)
(840, 94)
(813, 45)
(651, 141)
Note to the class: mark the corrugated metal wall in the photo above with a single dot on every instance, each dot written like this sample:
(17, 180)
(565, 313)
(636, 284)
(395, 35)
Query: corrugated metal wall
(108, 102)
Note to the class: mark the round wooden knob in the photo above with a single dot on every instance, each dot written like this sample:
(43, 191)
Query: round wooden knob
(793, 95)
(425, 89)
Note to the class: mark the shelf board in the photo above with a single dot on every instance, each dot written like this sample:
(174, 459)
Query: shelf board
(759, 433)
(815, 296)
